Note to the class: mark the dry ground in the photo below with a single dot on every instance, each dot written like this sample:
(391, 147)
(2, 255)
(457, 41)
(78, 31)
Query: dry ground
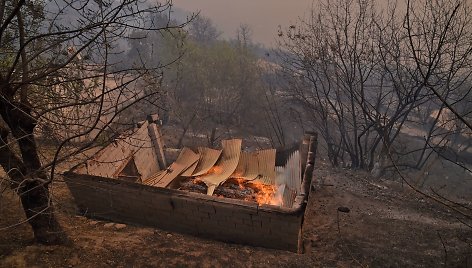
(387, 227)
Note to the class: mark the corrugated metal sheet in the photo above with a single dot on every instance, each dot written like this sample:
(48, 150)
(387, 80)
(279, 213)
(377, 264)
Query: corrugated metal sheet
(186, 159)
(247, 167)
(266, 166)
(165, 177)
(284, 196)
(288, 197)
(258, 165)
(293, 172)
(208, 158)
(107, 162)
(154, 179)
(189, 171)
(112, 159)
(225, 166)
(279, 175)
(290, 176)
(146, 156)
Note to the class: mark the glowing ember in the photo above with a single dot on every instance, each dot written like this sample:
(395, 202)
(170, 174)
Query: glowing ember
(264, 193)
(240, 182)
(239, 188)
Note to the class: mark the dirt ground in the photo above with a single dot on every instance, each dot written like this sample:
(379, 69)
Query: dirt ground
(387, 226)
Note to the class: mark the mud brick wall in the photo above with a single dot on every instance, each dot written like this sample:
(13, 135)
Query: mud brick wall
(207, 216)
(212, 217)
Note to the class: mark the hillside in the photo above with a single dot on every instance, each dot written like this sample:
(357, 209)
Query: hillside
(387, 226)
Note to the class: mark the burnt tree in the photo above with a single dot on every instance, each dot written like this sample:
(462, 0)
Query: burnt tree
(62, 76)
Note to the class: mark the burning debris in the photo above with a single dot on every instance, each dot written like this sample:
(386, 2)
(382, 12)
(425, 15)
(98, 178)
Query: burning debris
(231, 173)
(252, 191)
(128, 181)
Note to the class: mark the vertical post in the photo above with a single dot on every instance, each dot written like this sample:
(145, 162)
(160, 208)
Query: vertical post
(311, 157)
(304, 149)
(156, 139)
(313, 147)
(310, 144)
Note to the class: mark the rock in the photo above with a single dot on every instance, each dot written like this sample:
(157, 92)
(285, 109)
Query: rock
(109, 225)
(93, 222)
(344, 209)
(169, 235)
(120, 226)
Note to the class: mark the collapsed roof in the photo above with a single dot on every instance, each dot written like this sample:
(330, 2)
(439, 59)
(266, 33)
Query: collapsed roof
(138, 156)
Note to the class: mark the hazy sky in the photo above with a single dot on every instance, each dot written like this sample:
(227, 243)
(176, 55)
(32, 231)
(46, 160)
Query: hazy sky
(263, 16)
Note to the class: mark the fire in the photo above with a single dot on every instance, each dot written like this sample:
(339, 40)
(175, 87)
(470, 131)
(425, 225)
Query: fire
(215, 170)
(277, 200)
(240, 182)
(264, 193)
(255, 191)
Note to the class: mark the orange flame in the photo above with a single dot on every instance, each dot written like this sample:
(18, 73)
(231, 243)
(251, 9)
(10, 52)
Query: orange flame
(264, 192)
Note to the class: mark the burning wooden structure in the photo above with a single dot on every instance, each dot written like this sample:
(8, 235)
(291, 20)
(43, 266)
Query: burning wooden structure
(224, 194)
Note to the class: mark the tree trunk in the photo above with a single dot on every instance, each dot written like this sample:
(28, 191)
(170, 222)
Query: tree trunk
(35, 198)
(39, 211)
(28, 180)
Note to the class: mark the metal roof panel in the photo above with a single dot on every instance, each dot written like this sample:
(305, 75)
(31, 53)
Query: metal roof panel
(208, 158)
(225, 166)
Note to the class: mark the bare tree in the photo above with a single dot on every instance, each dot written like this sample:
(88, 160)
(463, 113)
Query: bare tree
(441, 52)
(364, 77)
(60, 76)
(390, 88)
(336, 75)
